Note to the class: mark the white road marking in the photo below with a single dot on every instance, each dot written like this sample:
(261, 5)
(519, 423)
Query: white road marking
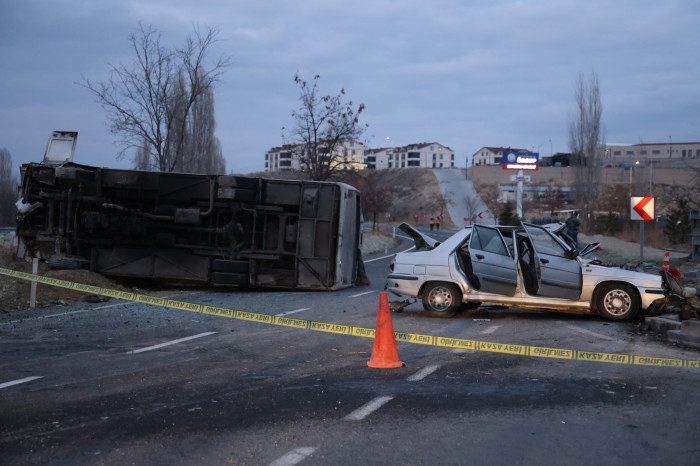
(589, 332)
(364, 411)
(423, 373)
(490, 330)
(361, 294)
(293, 312)
(19, 381)
(173, 342)
(293, 457)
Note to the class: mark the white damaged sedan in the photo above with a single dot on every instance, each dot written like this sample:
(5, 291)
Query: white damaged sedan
(528, 267)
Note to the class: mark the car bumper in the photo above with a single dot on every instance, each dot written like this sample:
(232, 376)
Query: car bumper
(403, 285)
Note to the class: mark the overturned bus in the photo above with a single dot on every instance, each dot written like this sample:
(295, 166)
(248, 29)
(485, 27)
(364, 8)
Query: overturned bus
(222, 230)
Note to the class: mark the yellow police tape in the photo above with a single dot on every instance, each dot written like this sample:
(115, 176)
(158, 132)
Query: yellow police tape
(504, 348)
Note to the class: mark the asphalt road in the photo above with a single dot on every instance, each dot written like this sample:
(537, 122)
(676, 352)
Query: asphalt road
(125, 383)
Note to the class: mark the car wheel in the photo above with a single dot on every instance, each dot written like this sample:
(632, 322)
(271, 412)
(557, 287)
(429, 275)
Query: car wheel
(442, 299)
(617, 301)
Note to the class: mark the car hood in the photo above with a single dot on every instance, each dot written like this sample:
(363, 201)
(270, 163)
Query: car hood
(422, 241)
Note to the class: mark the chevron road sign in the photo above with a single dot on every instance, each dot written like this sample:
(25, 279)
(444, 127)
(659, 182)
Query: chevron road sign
(642, 208)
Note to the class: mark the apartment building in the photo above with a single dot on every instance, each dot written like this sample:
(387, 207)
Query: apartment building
(378, 159)
(424, 154)
(287, 157)
(619, 153)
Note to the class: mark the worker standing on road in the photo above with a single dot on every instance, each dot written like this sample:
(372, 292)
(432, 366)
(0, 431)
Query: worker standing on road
(432, 223)
(437, 222)
(572, 226)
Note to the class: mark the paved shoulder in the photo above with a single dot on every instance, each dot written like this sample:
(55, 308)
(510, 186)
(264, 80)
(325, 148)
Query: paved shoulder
(462, 199)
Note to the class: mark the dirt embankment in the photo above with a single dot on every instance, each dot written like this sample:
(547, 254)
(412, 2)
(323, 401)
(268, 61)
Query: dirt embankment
(15, 293)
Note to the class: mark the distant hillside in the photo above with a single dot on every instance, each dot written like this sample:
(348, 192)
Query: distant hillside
(415, 191)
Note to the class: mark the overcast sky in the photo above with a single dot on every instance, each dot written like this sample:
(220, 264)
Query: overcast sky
(463, 73)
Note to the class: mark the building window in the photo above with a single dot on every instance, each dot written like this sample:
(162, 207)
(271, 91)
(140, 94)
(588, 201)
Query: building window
(414, 163)
(617, 152)
(642, 152)
(414, 155)
(655, 152)
(629, 152)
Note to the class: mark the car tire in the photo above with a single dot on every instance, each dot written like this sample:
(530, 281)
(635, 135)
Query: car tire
(617, 301)
(441, 299)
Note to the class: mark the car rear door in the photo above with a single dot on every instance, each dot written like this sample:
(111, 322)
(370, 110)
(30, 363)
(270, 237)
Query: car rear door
(558, 274)
(492, 262)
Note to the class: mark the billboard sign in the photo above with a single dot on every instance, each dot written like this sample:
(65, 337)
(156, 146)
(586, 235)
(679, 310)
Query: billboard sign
(521, 161)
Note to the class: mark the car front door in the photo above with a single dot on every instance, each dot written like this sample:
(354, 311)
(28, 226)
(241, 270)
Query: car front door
(558, 274)
(492, 262)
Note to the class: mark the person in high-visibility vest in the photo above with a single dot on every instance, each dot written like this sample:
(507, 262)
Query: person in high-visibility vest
(437, 223)
(432, 223)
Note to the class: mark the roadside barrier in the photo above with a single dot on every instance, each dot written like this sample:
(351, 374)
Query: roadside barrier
(431, 340)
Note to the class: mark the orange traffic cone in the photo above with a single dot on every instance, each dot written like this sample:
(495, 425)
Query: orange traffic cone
(666, 264)
(384, 353)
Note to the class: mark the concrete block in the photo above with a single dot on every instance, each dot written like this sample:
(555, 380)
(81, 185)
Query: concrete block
(691, 328)
(663, 323)
(673, 336)
(689, 341)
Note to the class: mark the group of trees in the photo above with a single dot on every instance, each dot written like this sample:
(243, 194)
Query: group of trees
(162, 104)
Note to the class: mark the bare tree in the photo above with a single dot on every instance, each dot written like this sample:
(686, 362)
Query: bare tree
(142, 159)
(150, 99)
(472, 204)
(586, 142)
(490, 194)
(553, 197)
(8, 189)
(375, 198)
(323, 125)
(202, 144)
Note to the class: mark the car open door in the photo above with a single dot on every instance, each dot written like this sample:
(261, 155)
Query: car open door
(492, 262)
(558, 273)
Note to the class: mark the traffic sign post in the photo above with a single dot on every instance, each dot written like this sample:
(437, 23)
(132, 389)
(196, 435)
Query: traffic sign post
(520, 161)
(642, 208)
